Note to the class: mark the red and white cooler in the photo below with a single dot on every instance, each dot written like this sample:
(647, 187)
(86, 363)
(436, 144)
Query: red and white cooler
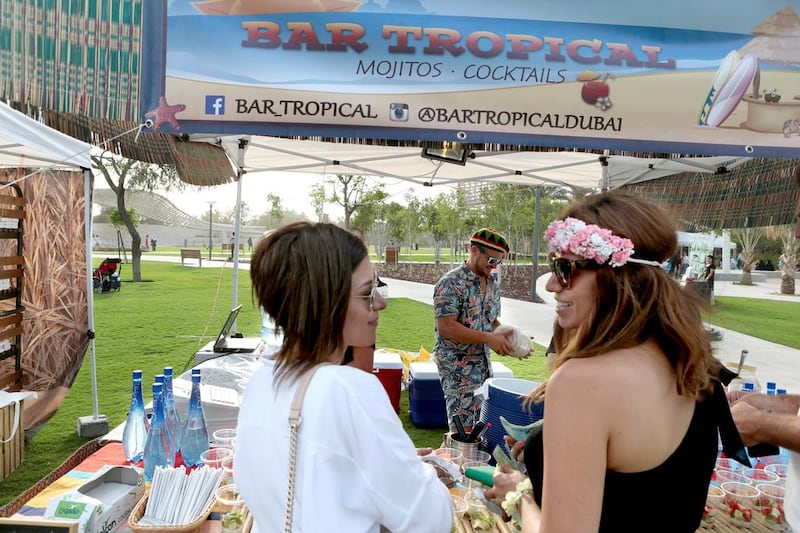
(388, 368)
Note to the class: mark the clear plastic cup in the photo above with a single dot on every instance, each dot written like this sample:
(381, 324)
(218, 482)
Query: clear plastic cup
(715, 502)
(449, 454)
(721, 476)
(726, 463)
(477, 456)
(224, 437)
(213, 457)
(741, 500)
(227, 466)
(770, 504)
(778, 469)
(229, 497)
(716, 497)
(755, 476)
(460, 507)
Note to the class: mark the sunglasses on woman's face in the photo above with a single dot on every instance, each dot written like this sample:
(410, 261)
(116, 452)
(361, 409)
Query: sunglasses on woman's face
(564, 269)
(371, 296)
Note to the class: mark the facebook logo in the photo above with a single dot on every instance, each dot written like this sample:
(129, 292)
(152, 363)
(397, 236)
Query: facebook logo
(215, 104)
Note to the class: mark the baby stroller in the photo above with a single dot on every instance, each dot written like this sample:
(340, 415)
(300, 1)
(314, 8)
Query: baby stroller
(106, 276)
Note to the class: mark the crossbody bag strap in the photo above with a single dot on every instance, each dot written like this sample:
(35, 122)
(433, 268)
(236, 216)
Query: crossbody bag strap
(294, 425)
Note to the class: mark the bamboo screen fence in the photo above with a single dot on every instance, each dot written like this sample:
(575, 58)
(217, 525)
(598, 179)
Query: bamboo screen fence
(763, 192)
(54, 293)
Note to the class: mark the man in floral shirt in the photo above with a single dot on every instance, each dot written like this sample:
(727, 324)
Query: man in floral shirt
(466, 304)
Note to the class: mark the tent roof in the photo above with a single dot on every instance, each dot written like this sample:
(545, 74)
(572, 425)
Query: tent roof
(573, 169)
(25, 142)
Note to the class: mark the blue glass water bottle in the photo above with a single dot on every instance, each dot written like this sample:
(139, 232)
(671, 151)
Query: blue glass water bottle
(194, 440)
(161, 379)
(159, 448)
(169, 405)
(135, 433)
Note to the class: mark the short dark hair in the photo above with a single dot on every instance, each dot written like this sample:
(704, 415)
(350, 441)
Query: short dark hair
(302, 275)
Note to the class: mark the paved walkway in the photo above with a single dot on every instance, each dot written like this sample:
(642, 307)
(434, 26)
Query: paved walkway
(773, 362)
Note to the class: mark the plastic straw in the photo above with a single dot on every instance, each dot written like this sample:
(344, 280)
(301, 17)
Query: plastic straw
(176, 498)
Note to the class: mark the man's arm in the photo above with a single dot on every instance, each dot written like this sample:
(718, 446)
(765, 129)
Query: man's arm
(755, 426)
(777, 403)
(450, 328)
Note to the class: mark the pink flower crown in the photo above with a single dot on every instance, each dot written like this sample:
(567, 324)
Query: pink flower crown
(592, 242)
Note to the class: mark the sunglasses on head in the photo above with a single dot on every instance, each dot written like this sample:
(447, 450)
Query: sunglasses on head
(564, 269)
(489, 259)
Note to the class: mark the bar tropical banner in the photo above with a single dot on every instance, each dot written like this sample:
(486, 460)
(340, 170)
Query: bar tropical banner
(714, 77)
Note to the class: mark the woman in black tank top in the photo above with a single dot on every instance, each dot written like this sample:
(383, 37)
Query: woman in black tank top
(630, 431)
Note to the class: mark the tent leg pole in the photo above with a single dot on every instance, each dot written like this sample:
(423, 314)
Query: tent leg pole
(97, 424)
(537, 215)
(237, 223)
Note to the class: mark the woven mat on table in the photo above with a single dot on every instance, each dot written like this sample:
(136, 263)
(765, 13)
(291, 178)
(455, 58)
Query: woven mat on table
(79, 467)
(81, 454)
(722, 524)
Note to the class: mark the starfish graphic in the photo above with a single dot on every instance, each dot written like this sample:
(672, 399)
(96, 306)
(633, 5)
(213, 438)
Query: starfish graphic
(165, 113)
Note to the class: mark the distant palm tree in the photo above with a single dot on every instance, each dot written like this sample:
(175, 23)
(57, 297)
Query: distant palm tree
(789, 268)
(748, 238)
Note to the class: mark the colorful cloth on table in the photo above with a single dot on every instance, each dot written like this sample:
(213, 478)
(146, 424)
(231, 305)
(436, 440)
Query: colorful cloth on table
(110, 454)
(464, 367)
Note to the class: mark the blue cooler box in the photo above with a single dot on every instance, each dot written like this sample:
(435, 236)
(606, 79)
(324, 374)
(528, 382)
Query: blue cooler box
(425, 396)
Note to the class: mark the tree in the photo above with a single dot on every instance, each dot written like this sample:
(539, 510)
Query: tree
(449, 221)
(413, 215)
(748, 238)
(369, 213)
(276, 211)
(352, 193)
(117, 222)
(789, 267)
(395, 216)
(317, 194)
(122, 174)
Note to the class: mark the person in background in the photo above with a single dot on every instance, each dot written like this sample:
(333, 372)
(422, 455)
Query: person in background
(707, 275)
(773, 419)
(250, 244)
(466, 304)
(231, 244)
(633, 399)
(357, 470)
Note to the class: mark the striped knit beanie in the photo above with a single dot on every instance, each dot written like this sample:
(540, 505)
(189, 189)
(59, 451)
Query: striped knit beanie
(489, 238)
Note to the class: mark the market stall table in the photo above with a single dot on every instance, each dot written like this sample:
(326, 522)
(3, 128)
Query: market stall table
(97, 453)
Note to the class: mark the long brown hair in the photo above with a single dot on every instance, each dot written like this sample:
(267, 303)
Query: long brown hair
(302, 276)
(635, 303)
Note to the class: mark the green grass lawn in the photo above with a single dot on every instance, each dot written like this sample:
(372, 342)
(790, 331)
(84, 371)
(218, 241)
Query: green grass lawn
(771, 320)
(166, 318)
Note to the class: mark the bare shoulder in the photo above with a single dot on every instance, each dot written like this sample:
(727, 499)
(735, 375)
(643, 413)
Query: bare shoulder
(602, 376)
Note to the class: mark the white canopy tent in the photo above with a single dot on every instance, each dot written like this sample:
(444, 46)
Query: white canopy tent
(576, 170)
(27, 143)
